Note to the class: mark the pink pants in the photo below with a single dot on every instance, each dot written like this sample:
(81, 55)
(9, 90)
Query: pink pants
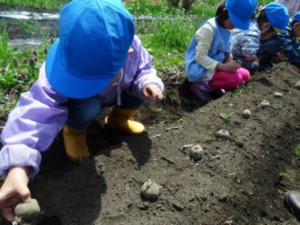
(229, 80)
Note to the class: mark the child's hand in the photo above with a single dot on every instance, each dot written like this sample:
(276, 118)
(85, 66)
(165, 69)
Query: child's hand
(14, 190)
(229, 66)
(152, 92)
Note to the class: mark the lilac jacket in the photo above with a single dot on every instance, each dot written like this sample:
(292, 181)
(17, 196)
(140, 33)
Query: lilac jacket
(40, 113)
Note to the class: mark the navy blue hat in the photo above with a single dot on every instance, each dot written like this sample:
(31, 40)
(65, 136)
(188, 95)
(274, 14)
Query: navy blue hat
(93, 43)
(277, 14)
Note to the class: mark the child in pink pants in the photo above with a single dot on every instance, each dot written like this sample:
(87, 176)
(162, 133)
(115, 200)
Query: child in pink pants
(229, 80)
(221, 81)
(209, 64)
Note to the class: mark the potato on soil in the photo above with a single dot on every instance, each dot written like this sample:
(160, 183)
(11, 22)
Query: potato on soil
(27, 211)
(150, 190)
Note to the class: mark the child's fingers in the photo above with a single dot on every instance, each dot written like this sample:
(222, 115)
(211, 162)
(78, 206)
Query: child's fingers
(8, 213)
(9, 201)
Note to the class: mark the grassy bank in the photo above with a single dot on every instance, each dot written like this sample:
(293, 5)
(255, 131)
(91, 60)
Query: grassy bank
(165, 34)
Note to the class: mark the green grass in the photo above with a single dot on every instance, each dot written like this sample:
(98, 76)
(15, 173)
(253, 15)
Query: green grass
(143, 6)
(166, 37)
(48, 4)
(18, 69)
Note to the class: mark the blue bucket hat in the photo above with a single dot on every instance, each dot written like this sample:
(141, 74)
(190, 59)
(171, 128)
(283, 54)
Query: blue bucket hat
(277, 14)
(240, 12)
(94, 39)
(297, 16)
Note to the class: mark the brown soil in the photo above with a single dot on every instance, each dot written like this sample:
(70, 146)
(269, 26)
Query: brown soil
(240, 180)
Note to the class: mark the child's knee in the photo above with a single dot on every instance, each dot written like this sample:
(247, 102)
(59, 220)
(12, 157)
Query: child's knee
(243, 74)
(235, 81)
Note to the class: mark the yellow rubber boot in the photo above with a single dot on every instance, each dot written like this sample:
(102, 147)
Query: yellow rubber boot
(75, 143)
(118, 119)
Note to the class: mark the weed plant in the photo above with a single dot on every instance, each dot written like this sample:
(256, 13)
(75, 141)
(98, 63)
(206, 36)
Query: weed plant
(181, 120)
(297, 150)
(226, 116)
(18, 69)
(283, 175)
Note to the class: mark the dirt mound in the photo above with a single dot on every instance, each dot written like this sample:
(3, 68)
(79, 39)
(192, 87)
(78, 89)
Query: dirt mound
(241, 179)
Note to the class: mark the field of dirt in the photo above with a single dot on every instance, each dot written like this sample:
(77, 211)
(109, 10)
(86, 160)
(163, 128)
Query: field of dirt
(240, 179)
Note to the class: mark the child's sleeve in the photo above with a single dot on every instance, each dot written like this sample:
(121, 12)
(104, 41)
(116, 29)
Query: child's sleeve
(204, 37)
(290, 47)
(32, 126)
(145, 73)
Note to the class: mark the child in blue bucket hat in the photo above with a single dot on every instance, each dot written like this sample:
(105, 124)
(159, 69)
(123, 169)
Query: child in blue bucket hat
(289, 40)
(96, 61)
(256, 46)
(208, 62)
